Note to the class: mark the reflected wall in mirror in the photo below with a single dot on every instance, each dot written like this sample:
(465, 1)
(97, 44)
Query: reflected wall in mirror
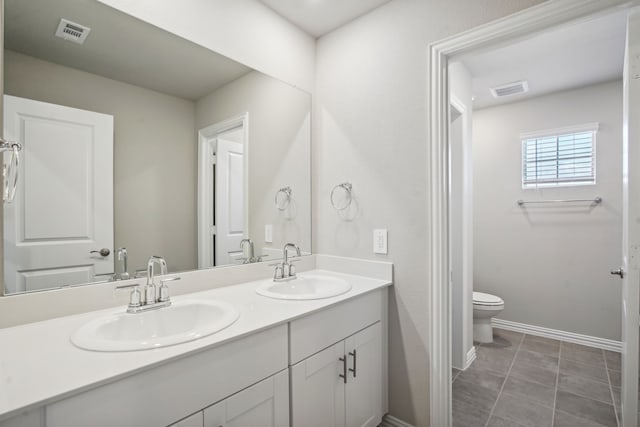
(139, 139)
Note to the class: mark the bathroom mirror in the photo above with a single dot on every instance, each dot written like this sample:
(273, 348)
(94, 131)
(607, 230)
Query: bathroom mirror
(135, 138)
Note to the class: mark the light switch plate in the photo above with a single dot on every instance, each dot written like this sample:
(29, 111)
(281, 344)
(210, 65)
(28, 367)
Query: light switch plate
(380, 241)
(268, 233)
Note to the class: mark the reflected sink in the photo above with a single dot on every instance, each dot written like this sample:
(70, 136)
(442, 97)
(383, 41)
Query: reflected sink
(305, 287)
(181, 322)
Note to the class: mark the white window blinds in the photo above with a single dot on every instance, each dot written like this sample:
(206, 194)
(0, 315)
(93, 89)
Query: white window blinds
(559, 157)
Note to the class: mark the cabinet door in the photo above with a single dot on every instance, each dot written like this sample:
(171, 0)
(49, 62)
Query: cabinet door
(317, 390)
(364, 384)
(194, 420)
(265, 404)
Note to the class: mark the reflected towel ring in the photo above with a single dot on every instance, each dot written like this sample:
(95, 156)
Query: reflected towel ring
(283, 198)
(341, 196)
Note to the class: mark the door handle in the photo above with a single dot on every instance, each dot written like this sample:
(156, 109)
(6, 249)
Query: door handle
(103, 252)
(355, 355)
(618, 272)
(343, 375)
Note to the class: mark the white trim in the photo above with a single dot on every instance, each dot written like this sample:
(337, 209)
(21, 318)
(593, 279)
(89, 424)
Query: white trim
(471, 356)
(556, 334)
(391, 421)
(205, 182)
(505, 30)
(587, 127)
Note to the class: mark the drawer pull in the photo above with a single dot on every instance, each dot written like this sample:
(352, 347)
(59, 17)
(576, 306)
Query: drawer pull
(355, 359)
(343, 375)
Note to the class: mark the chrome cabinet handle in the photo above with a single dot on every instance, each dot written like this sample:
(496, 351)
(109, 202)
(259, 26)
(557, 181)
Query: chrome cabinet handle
(355, 359)
(102, 252)
(618, 272)
(343, 375)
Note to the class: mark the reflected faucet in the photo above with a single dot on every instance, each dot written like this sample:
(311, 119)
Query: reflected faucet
(250, 255)
(121, 255)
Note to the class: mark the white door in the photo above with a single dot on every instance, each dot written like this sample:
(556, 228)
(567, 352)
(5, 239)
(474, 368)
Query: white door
(229, 200)
(630, 223)
(63, 207)
(317, 390)
(265, 404)
(364, 384)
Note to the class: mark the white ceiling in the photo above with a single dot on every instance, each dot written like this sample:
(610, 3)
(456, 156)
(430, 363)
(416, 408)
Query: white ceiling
(564, 58)
(318, 17)
(118, 47)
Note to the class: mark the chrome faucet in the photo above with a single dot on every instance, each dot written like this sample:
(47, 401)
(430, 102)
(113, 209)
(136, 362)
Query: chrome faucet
(251, 254)
(121, 255)
(151, 298)
(286, 270)
(150, 287)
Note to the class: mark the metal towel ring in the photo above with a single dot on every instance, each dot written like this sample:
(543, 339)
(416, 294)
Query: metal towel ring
(10, 170)
(283, 198)
(345, 190)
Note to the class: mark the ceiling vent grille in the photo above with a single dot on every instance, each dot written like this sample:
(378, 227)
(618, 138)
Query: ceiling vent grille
(71, 31)
(510, 89)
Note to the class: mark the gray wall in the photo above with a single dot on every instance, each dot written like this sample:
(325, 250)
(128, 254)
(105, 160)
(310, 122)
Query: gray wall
(550, 264)
(369, 128)
(279, 151)
(154, 159)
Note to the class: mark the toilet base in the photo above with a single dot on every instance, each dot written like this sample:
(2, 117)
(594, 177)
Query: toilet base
(482, 330)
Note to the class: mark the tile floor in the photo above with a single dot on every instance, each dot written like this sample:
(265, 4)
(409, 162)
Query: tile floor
(522, 380)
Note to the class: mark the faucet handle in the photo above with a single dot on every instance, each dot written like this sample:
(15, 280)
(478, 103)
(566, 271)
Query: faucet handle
(136, 297)
(279, 273)
(164, 289)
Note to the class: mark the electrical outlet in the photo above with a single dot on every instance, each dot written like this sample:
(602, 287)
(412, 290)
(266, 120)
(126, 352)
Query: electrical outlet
(268, 233)
(380, 241)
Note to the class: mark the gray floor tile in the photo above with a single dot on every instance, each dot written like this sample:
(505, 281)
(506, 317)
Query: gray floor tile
(616, 378)
(614, 360)
(616, 397)
(562, 419)
(475, 396)
(536, 374)
(523, 411)
(511, 337)
(497, 360)
(541, 345)
(465, 415)
(497, 421)
(454, 373)
(588, 409)
(585, 387)
(483, 377)
(582, 354)
(537, 359)
(598, 373)
(542, 394)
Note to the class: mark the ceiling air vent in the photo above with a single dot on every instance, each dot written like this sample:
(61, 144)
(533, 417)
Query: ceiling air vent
(510, 89)
(72, 32)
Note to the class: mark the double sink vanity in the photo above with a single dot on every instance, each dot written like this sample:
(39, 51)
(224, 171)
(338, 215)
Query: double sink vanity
(233, 348)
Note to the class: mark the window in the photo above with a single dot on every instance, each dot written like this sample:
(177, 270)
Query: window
(559, 157)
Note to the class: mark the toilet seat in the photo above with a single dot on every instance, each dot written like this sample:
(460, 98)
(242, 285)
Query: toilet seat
(488, 300)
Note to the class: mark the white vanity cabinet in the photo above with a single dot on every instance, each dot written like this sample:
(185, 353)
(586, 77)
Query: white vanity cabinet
(342, 385)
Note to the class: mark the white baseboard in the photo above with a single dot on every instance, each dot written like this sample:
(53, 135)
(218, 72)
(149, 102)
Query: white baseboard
(391, 421)
(587, 340)
(471, 356)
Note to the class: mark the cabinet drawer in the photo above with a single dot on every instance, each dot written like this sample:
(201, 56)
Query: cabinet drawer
(163, 395)
(318, 331)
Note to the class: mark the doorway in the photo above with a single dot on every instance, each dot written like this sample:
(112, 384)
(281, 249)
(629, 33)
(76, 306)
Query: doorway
(518, 26)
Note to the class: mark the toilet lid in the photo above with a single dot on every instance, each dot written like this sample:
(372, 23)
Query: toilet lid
(486, 299)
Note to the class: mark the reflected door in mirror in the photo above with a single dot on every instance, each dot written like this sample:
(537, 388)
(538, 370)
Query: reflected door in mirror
(63, 208)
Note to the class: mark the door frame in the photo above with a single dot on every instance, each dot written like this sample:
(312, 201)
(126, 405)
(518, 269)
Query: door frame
(502, 31)
(206, 184)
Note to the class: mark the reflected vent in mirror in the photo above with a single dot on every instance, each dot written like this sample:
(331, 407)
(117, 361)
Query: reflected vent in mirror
(71, 31)
(514, 88)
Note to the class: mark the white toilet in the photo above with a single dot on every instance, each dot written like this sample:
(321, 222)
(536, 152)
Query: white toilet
(485, 306)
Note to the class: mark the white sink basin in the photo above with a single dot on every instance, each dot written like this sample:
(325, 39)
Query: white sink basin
(181, 322)
(305, 287)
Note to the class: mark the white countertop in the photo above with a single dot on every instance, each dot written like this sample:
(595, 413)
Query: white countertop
(40, 365)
